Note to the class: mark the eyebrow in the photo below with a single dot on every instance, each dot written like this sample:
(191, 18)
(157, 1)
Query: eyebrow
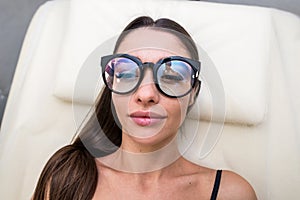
(136, 57)
(147, 61)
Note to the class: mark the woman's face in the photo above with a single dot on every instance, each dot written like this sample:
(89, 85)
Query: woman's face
(147, 116)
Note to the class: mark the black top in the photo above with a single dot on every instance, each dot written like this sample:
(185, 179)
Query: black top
(214, 193)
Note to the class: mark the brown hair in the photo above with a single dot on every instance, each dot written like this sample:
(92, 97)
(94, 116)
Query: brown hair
(71, 173)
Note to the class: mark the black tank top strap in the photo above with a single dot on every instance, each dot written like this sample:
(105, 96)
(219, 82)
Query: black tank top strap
(214, 193)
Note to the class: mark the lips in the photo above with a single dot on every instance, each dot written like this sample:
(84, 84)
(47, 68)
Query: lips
(145, 118)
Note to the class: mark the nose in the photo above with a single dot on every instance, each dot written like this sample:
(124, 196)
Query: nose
(147, 93)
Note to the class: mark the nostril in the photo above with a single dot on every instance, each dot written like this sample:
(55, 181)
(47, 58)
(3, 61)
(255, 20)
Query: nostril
(151, 101)
(146, 96)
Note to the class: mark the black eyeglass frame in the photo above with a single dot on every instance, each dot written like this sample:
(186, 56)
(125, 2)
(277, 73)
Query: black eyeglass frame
(195, 64)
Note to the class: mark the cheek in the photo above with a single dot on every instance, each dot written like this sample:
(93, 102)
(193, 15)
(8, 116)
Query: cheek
(177, 108)
(121, 103)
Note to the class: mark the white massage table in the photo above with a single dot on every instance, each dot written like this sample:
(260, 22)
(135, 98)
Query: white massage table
(247, 115)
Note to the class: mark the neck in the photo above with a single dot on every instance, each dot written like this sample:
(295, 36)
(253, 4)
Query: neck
(150, 161)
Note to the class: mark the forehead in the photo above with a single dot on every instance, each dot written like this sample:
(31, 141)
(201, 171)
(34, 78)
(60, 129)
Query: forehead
(147, 40)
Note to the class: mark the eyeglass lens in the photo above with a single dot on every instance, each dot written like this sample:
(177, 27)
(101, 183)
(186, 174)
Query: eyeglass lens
(174, 78)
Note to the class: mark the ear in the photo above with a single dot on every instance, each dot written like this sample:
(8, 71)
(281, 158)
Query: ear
(192, 98)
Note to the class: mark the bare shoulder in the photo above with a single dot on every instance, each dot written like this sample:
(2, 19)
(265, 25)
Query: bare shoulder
(233, 186)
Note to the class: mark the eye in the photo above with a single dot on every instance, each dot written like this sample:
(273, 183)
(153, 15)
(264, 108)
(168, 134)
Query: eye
(169, 77)
(126, 69)
(170, 73)
(126, 75)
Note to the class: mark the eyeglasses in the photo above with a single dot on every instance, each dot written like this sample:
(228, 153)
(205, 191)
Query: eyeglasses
(174, 76)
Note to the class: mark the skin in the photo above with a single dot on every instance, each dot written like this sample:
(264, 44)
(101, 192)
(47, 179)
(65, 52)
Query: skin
(180, 179)
(146, 98)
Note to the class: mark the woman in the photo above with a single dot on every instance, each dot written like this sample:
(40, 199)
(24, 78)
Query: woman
(127, 149)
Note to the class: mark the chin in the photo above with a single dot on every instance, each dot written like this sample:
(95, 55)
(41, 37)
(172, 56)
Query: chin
(151, 142)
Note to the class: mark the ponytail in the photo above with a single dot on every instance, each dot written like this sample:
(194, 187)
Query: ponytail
(71, 173)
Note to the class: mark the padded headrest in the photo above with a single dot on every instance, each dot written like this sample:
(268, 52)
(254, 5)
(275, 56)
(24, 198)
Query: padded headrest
(233, 42)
